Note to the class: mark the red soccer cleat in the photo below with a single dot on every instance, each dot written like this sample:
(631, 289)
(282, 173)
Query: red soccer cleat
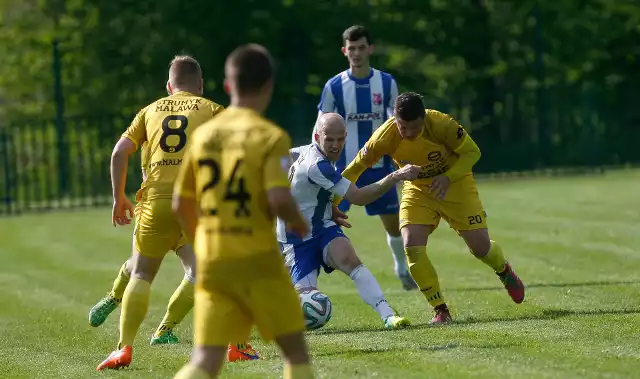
(442, 315)
(512, 283)
(117, 359)
(247, 354)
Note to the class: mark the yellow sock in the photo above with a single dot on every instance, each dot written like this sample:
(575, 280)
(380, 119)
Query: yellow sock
(300, 371)
(494, 258)
(424, 274)
(180, 304)
(135, 303)
(120, 283)
(192, 372)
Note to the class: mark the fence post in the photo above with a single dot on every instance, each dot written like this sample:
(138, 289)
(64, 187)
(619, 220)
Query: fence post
(60, 125)
(4, 147)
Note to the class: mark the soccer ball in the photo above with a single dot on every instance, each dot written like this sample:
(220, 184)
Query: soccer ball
(316, 307)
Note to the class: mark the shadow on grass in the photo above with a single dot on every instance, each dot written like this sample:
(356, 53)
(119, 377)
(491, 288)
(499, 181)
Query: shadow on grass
(544, 314)
(384, 349)
(550, 285)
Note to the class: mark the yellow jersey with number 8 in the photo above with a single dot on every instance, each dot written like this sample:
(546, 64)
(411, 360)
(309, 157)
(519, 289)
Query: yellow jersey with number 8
(162, 130)
(232, 161)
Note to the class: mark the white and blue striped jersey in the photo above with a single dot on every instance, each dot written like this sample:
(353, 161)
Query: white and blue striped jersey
(365, 104)
(314, 182)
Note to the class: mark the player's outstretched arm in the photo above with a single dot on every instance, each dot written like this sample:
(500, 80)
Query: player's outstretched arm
(368, 194)
(118, 168)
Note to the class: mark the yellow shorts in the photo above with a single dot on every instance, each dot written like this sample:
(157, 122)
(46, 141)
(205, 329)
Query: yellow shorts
(157, 231)
(228, 312)
(461, 207)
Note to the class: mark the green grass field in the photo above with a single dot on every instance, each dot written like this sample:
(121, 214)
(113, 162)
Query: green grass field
(574, 242)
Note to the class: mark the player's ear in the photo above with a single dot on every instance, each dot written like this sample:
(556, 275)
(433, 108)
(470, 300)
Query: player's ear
(169, 90)
(316, 137)
(227, 87)
(371, 48)
(344, 51)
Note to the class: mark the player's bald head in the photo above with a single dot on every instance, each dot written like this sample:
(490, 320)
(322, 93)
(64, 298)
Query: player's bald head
(331, 134)
(249, 68)
(184, 72)
(330, 123)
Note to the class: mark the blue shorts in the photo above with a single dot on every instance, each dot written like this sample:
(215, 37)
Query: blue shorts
(309, 256)
(386, 204)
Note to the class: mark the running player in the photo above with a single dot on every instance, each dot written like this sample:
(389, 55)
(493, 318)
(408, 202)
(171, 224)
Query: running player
(231, 186)
(314, 182)
(445, 189)
(364, 97)
(162, 130)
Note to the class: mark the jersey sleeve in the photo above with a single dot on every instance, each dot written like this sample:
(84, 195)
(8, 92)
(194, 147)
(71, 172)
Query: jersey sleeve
(392, 98)
(216, 108)
(446, 130)
(277, 163)
(296, 151)
(137, 131)
(379, 145)
(326, 176)
(185, 184)
(327, 101)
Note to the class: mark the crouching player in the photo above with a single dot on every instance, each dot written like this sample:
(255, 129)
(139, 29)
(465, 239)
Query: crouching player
(314, 183)
(445, 189)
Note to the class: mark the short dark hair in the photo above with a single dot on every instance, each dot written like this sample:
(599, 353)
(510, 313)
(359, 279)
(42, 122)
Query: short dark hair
(409, 106)
(253, 67)
(354, 33)
(185, 70)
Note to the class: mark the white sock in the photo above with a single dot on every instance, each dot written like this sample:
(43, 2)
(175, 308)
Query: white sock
(370, 291)
(397, 249)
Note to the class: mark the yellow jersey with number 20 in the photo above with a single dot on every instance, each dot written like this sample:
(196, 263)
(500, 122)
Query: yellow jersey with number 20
(162, 129)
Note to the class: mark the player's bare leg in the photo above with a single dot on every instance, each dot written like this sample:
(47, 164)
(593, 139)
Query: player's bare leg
(181, 301)
(415, 238)
(297, 363)
(103, 308)
(490, 253)
(135, 304)
(206, 362)
(343, 257)
(391, 223)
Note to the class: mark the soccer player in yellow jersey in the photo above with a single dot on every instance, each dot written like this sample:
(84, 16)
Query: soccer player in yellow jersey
(232, 185)
(162, 130)
(444, 189)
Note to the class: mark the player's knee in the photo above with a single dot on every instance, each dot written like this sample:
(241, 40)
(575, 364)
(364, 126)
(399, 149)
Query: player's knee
(479, 247)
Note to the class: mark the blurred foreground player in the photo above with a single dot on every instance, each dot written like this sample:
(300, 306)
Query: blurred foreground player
(162, 130)
(445, 189)
(232, 185)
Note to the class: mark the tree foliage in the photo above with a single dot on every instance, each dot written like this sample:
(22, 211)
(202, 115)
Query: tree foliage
(537, 83)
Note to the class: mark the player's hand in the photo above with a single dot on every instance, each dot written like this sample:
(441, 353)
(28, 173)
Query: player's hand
(301, 229)
(439, 186)
(408, 172)
(339, 217)
(119, 215)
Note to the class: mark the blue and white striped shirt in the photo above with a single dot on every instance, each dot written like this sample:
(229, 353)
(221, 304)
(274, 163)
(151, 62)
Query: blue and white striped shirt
(314, 182)
(365, 104)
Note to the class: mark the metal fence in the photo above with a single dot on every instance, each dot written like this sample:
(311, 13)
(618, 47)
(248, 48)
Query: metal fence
(64, 163)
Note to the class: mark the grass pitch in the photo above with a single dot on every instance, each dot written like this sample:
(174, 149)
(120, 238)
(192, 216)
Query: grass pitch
(573, 241)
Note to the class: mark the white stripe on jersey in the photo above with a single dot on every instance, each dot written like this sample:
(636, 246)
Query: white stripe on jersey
(314, 183)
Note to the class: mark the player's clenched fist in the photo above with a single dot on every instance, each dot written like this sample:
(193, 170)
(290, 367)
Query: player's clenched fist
(408, 172)
(119, 214)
